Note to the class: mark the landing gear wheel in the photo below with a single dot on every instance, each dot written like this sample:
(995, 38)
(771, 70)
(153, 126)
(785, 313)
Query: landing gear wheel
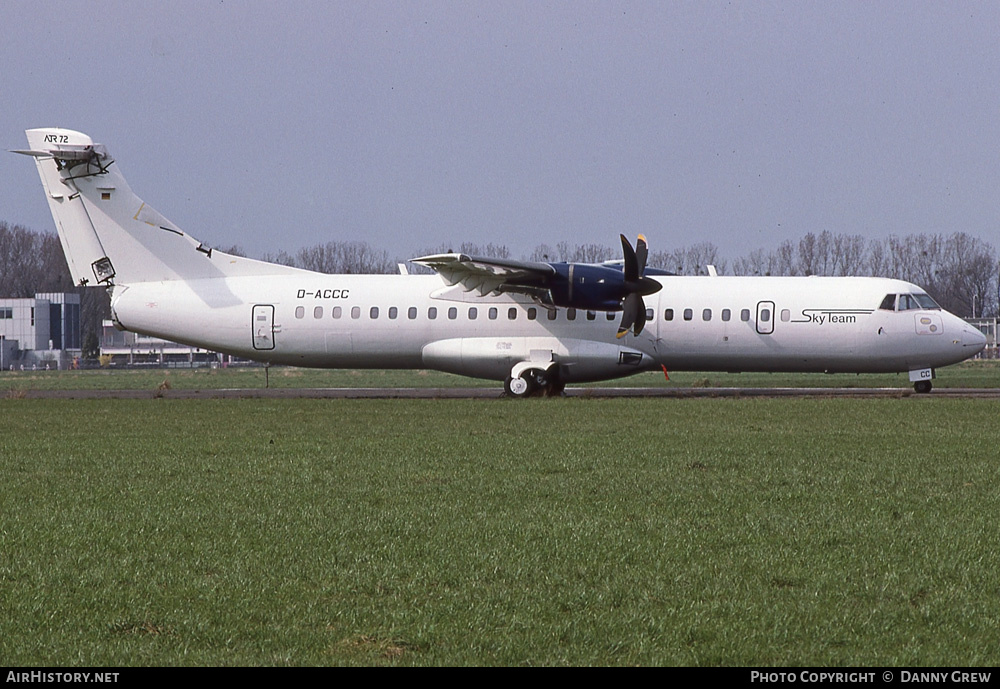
(922, 386)
(548, 382)
(519, 387)
(542, 379)
(535, 381)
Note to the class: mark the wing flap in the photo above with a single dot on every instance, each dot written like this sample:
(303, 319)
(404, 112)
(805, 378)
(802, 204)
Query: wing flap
(486, 275)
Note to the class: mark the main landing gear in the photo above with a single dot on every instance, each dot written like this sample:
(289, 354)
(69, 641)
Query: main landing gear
(534, 381)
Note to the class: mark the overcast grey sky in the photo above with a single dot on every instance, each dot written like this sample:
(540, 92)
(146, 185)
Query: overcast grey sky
(418, 124)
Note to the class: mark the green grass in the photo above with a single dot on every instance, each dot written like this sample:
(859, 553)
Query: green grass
(542, 532)
(972, 374)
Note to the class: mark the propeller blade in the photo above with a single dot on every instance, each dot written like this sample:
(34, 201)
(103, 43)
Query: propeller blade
(630, 314)
(637, 284)
(640, 318)
(631, 267)
(641, 252)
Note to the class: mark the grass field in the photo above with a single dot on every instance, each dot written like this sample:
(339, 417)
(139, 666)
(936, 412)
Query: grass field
(972, 374)
(538, 532)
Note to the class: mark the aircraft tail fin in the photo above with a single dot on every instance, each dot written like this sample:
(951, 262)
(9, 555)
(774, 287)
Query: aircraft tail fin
(109, 235)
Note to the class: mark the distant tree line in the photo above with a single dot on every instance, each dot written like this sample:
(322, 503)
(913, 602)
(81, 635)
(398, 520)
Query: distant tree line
(958, 270)
(337, 257)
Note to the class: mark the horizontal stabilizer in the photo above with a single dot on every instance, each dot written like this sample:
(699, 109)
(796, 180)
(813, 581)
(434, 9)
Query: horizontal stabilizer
(64, 145)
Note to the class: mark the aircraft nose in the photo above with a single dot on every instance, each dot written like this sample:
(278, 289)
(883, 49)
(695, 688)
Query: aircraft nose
(973, 340)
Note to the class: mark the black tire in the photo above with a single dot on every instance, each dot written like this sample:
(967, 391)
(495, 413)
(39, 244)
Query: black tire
(556, 388)
(542, 380)
(549, 383)
(922, 386)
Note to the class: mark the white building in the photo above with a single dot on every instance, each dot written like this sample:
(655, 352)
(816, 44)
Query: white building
(43, 332)
(128, 348)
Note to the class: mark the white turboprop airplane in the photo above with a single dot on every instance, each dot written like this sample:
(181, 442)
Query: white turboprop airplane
(537, 326)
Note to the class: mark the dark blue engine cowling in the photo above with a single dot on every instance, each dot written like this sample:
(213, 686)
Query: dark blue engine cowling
(588, 286)
(594, 287)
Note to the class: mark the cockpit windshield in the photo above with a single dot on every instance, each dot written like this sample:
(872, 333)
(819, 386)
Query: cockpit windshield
(908, 302)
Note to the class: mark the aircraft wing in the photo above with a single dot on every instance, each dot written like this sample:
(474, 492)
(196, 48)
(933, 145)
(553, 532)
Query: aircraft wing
(487, 275)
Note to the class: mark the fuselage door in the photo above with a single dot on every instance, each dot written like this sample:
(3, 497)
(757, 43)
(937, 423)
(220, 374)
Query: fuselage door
(765, 317)
(263, 326)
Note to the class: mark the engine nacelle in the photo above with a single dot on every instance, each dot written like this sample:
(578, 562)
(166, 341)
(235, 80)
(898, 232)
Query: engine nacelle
(577, 361)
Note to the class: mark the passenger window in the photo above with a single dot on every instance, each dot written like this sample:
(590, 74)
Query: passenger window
(493, 313)
(552, 314)
(452, 313)
(610, 315)
(411, 312)
(355, 312)
(668, 315)
(392, 313)
(337, 312)
(786, 315)
(432, 312)
(473, 312)
(591, 315)
(570, 314)
(318, 312)
(765, 315)
(511, 314)
(745, 315)
(532, 312)
(688, 314)
(649, 314)
(726, 314)
(706, 315)
(888, 303)
(300, 311)
(373, 313)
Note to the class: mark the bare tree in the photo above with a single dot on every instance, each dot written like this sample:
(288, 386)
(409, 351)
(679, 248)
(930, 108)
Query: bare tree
(344, 257)
(593, 253)
(488, 251)
(699, 256)
(785, 260)
(806, 260)
(544, 252)
(965, 276)
(234, 250)
(847, 253)
(878, 260)
(282, 257)
(20, 267)
(758, 262)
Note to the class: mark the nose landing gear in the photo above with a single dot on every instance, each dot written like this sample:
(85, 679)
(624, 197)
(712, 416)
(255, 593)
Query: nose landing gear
(921, 379)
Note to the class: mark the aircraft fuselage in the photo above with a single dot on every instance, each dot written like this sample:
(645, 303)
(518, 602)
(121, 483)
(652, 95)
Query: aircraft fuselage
(412, 321)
